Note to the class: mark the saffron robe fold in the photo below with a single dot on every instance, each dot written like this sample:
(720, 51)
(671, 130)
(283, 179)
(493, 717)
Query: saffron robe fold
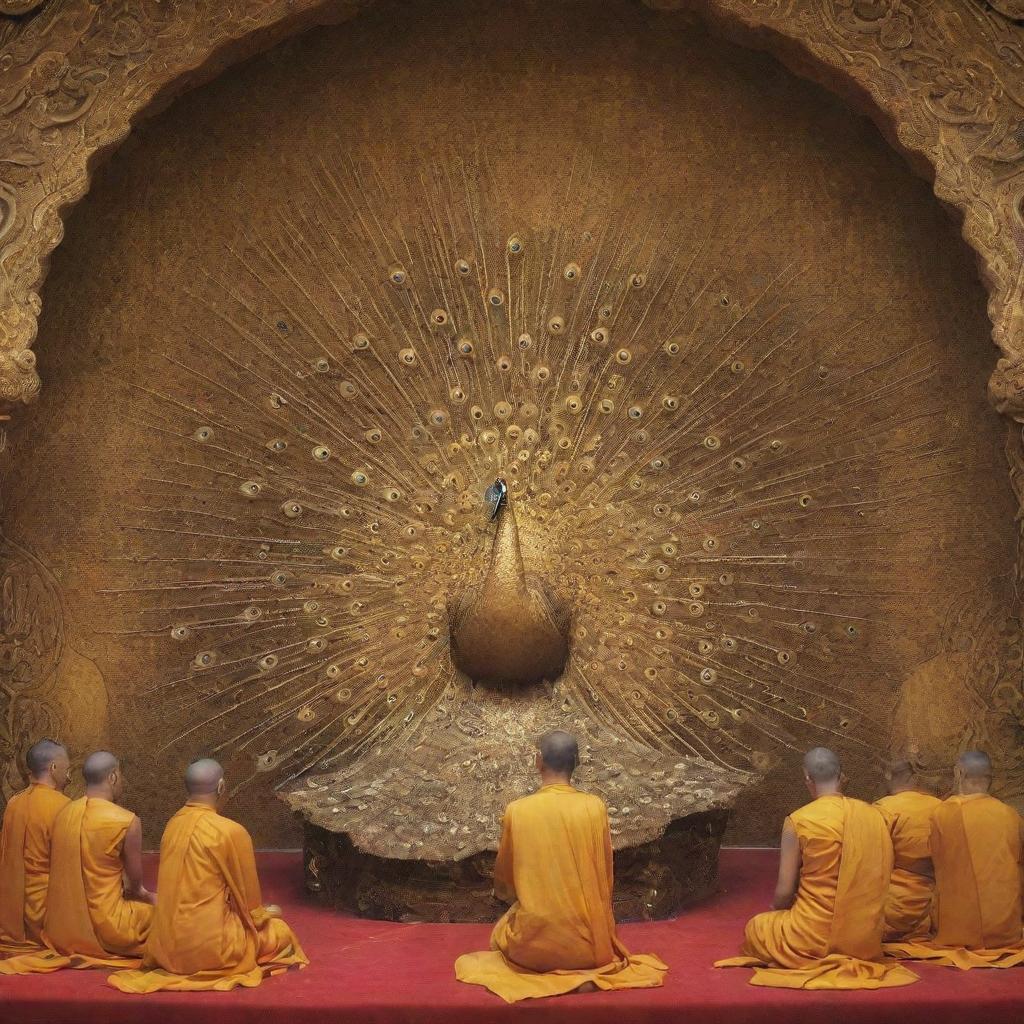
(976, 849)
(25, 866)
(210, 930)
(88, 923)
(908, 907)
(831, 938)
(555, 861)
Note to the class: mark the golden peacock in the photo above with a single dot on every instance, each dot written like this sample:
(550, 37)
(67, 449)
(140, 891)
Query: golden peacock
(433, 479)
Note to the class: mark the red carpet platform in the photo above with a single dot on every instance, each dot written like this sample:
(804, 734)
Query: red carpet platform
(364, 972)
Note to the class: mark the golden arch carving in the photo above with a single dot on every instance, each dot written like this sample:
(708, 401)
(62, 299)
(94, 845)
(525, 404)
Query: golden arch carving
(945, 81)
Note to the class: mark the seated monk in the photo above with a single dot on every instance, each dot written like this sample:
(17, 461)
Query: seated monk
(908, 907)
(976, 843)
(825, 931)
(97, 910)
(555, 862)
(25, 848)
(210, 930)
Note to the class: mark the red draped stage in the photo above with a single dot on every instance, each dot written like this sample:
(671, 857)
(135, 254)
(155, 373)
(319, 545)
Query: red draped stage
(369, 971)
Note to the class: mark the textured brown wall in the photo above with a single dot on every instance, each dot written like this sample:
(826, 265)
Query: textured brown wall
(536, 91)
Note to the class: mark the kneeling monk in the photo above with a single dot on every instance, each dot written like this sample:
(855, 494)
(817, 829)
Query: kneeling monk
(555, 862)
(826, 929)
(211, 930)
(976, 844)
(97, 910)
(25, 848)
(908, 907)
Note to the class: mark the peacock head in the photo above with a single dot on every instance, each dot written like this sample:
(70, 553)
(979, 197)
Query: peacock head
(495, 497)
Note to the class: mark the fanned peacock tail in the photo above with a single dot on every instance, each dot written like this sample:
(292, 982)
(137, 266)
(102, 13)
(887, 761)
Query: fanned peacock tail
(721, 498)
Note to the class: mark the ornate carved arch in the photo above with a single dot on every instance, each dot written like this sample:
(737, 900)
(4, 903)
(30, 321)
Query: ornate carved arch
(945, 80)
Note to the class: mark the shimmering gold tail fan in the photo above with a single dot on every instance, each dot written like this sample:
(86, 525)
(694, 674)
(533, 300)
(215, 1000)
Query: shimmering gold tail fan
(710, 503)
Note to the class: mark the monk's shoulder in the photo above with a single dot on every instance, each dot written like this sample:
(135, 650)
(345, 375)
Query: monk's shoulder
(956, 808)
(65, 813)
(587, 805)
(20, 797)
(117, 814)
(824, 816)
(1005, 811)
(226, 829)
(909, 802)
(896, 800)
(947, 809)
(540, 802)
(815, 812)
(593, 803)
(106, 818)
(867, 811)
(515, 807)
(16, 803)
(46, 808)
(52, 800)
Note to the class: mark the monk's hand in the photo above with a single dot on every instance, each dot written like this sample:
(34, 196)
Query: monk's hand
(273, 910)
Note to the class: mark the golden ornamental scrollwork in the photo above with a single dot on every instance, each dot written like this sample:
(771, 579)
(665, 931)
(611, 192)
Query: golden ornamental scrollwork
(946, 81)
(1013, 9)
(16, 8)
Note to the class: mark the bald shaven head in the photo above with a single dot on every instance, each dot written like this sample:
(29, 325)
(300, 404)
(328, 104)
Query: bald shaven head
(900, 775)
(973, 772)
(48, 763)
(204, 780)
(822, 772)
(102, 773)
(558, 753)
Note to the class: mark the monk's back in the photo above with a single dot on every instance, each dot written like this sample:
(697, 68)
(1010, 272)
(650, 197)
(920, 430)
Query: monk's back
(819, 828)
(558, 838)
(910, 814)
(103, 830)
(42, 804)
(562, 875)
(25, 860)
(976, 847)
(101, 834)
(845, 863)
(195, 845)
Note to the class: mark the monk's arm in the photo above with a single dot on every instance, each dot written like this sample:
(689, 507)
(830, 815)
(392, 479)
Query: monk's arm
(609, 855)
(504, 883)
(1021, 859)
(131, 857)
(789, 869)
(238, 861)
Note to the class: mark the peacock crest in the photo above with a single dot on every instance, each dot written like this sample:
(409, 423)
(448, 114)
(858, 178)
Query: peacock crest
(672, 562)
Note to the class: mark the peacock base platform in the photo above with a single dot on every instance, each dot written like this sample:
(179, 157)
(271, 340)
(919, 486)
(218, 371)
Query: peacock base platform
(654, 880)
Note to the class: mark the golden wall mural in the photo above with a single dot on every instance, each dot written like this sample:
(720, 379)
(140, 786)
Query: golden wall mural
(411, 392)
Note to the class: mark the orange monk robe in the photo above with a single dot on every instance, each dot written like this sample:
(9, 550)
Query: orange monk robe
(555, 861)
(908, 907)
(976, 849)
(210, 930)
(831, 938)
(88, 923)
(25, 866)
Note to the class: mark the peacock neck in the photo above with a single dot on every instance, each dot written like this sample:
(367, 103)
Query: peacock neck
(506, 574)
